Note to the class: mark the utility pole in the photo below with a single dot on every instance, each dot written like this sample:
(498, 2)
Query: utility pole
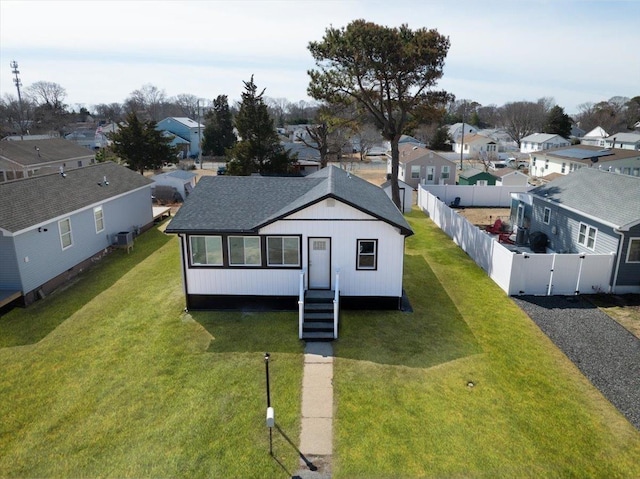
(199, 136)
(464, 105)
(16, 80)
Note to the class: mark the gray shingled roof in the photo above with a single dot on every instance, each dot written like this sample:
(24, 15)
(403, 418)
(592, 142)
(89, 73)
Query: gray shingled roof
(31, 201)
(248, 203)
(36, 152)
(610, 197)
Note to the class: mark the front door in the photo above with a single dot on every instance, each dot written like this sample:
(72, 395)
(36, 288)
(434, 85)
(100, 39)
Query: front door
(431, 175)
(319, 263)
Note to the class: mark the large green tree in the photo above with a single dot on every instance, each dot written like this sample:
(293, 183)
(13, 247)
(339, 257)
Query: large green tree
(389, 72)
(218, 130)
(141, 145)
(558, 122)
(259, 149)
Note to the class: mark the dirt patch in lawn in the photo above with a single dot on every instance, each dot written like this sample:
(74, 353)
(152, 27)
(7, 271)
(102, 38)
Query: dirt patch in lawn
(485, 216)
(625, 309)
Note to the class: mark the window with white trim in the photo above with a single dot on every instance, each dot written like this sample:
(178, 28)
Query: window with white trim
(547, 216)
(98, 216)
(633, 252)
(415, 171)
(206, 250)
(66, 238)
(587, 236)
(367, 254)
(445, 173)
(244, 251)
(564, 168)
(283, 251)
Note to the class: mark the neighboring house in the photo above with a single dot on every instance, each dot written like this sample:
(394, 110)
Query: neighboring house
(473, 176)
(186, 130)
(406, 194)
(253, 241)
(568, 159)
(53, 225)
(595, 137)
(307, 158)
(592, 212)
(477, 146)
(510, 177)
(624, 141)
(183, 181)
(419, 165)
(20, 159)
(576, 132)
(90, 138)
(456, 130)
(542, 141)
(504, 141)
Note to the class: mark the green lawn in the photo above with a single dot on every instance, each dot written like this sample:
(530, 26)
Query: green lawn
(404, 406)
(110, 378)
(130, 386)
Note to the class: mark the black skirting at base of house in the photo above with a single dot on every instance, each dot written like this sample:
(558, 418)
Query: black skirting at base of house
(204, 302)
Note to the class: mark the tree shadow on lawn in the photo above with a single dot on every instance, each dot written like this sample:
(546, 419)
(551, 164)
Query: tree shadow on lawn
(23, 326)
(435, 333)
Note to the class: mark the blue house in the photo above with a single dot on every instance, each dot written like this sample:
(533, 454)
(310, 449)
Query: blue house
(52, 226)
(186, 132)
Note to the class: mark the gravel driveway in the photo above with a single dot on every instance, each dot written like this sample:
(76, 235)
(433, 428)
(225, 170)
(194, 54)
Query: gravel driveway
(606, 353)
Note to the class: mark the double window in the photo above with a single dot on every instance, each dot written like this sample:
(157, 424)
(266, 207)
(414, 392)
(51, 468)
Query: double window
(445, 172)
(367, 254)
(587, 236)
(547, 216)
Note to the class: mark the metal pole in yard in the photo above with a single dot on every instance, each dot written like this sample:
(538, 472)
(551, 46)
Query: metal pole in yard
(266, 366)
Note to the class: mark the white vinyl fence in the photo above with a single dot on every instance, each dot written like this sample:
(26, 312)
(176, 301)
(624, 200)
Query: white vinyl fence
(521, 272)
(473, 195)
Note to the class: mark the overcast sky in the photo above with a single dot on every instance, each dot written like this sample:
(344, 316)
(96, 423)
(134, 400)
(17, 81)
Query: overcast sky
(575, 51)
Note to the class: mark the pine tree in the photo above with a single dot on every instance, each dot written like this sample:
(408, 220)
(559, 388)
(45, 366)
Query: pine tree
(259, 149)
(140, 145)
(218, 131)
(558, 122)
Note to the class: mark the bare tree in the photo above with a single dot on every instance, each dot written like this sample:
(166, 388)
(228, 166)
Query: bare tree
(522, 118)
(111, 112)
(149, 100)
(13, 119)
(188, 105)
(48, 94)
(611, 115)
(278, 109)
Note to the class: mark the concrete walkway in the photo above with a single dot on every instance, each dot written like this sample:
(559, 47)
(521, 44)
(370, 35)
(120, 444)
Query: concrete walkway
(316, 435)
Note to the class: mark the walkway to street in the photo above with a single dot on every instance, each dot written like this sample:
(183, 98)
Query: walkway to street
(316, 435)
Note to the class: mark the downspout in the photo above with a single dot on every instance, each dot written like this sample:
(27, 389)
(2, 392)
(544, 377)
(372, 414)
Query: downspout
(185, 286)
(614, 280)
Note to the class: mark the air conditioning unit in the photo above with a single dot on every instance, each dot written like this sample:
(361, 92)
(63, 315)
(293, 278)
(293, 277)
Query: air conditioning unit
(123, 238)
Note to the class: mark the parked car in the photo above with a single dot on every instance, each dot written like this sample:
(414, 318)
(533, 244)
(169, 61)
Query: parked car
(222, 170)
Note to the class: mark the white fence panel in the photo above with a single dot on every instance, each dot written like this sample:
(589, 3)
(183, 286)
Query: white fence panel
(472, 195)
(521, 273)
(596, 274)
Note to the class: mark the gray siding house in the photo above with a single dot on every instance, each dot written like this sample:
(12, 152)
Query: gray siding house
(589, 211)
(53, 225)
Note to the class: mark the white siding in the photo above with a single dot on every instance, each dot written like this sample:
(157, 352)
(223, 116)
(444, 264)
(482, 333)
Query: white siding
(344, 225)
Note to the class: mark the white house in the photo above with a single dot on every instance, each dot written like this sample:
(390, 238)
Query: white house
(565, 160)
(276, 242)
(457, 129)
(406, 194)
(542, 141)
(595, 137)
(476, 146)
(623, 140)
